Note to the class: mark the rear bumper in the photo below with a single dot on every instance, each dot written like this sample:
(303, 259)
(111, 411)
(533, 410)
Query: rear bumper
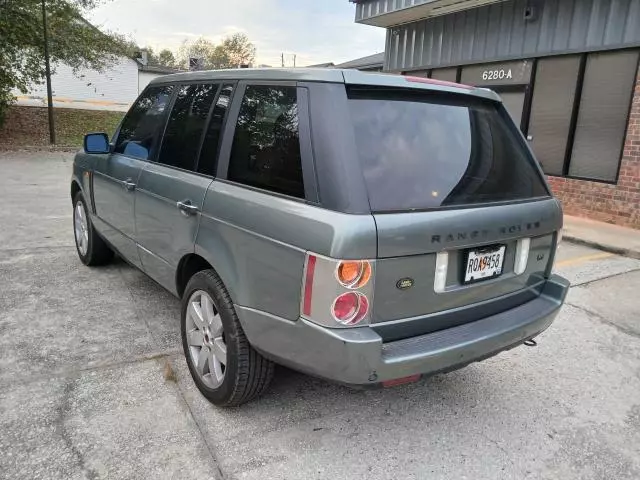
(358, 356)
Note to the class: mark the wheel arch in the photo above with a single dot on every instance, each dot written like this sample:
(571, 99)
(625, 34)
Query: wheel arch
(75, 188)
(193, 263)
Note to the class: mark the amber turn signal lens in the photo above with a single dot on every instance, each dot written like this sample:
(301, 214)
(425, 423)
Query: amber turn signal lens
(348, 272)
(366, 274)
(354, 274)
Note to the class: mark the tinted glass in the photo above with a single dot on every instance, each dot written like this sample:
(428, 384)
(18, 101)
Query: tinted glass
(186, 123)
(421, 151)
(266, 148)
(210, 147)
(140, 127)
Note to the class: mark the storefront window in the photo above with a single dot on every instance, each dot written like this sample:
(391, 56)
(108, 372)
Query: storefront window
(602, 119)
(553, 98)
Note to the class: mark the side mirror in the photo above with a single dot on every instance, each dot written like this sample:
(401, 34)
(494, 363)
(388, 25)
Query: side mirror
(96, 143)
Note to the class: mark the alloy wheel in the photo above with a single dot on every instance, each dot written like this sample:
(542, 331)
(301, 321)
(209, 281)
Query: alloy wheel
(205, 337)
(81, 228)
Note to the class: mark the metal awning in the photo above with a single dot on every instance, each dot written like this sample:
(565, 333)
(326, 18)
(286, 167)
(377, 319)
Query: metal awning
(383, 13)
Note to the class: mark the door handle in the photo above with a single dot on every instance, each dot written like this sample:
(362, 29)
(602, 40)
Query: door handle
(129, 185)
(187, 208)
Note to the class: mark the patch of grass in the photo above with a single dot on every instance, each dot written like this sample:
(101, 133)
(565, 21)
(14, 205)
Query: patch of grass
(29, 126)
(72, 125)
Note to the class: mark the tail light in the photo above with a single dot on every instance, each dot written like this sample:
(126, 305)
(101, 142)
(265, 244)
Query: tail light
(337, 293)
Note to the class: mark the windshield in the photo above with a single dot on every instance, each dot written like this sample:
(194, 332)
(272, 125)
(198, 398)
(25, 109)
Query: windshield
(427, 150)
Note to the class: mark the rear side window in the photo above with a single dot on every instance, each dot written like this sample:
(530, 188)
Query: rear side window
(187, 120)
(266, 147)
(427, 150)
(211, 146)
(141, 125)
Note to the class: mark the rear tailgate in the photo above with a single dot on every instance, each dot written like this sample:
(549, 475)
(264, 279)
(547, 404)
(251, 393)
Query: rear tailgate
(450, 174)
(412, 255)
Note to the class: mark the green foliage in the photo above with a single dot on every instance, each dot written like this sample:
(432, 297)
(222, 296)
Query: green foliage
(72, 41)
(166, 58)
(239, 49)
(234, 51)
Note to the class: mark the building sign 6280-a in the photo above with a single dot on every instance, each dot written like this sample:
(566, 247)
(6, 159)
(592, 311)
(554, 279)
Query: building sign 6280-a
(502, 74)
(505, 73)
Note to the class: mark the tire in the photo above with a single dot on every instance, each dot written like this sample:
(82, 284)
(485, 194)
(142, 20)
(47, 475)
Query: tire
(246, 374)
(91, 248)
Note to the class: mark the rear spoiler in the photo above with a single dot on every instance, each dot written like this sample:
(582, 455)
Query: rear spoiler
(356, 77)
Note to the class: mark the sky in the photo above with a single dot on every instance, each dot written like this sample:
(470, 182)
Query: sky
(317, 31)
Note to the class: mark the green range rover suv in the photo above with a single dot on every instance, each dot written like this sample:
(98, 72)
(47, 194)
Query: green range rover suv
(365, 228)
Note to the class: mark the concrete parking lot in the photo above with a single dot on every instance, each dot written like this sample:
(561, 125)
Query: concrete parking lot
(93, 383)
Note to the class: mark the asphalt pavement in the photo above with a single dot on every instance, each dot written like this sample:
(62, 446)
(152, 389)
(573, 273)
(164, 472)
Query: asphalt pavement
(93, 383)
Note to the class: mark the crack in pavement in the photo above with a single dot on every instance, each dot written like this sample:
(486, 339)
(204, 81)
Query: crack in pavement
(220, 475)
(602, 319)
(62, 431)
(589, 282)
(98, 367)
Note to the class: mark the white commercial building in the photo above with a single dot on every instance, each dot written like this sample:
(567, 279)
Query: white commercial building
(113, 89)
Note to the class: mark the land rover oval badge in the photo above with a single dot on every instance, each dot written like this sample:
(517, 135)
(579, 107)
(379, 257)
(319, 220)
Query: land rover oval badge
(404, 283)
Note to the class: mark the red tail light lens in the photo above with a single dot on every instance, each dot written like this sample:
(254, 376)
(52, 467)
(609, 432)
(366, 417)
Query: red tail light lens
(345, 307)
(350, 308)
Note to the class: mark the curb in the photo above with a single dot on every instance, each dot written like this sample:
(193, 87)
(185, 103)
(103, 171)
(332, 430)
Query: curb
(624, 252)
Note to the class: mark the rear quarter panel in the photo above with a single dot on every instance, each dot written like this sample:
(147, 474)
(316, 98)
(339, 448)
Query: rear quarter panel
(257, 243)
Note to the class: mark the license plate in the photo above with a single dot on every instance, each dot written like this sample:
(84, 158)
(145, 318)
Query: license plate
(484, 264)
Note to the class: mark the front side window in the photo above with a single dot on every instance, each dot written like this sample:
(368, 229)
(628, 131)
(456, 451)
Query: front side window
(141, 125)
(427, 150)
(186, 123)
(266, 147)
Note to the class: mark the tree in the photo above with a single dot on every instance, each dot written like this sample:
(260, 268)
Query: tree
(201, 48)
(234, 51)
(166, 58)
(72, 40)
(239, 49)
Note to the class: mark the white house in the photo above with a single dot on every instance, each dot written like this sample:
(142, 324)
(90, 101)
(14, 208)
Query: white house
(114, 89)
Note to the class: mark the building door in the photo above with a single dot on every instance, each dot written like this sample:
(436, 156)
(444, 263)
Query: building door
(513, 101)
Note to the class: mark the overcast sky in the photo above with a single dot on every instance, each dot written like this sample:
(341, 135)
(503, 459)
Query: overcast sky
(317, 31)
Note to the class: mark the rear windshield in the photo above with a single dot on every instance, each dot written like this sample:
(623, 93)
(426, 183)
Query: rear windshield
(427, 150)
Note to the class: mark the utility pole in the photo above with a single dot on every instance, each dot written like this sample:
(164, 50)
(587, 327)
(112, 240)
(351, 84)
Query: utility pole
(52, 126)
(282, 59)
(294, 60)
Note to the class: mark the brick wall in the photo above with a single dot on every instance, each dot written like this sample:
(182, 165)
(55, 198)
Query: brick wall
(619, 204)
